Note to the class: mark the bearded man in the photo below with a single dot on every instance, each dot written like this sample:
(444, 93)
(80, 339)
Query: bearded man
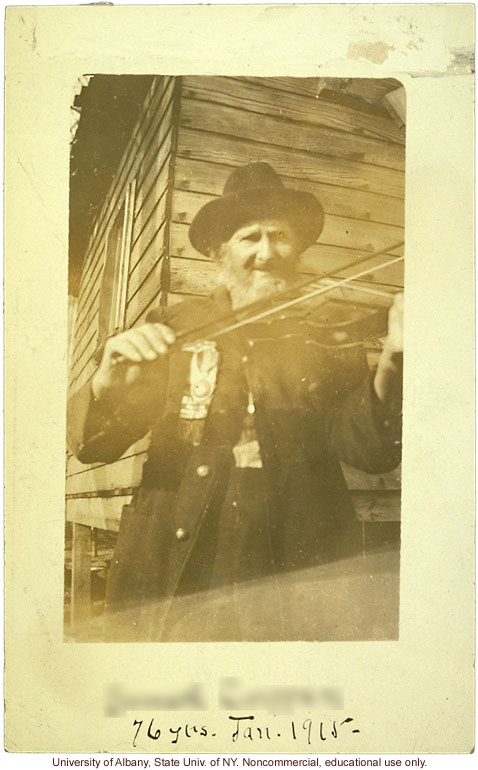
(242, 502)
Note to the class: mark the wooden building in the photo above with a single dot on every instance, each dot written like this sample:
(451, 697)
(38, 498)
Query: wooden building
(176, 141)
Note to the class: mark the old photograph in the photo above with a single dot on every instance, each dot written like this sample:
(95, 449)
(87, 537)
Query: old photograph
(236, 269)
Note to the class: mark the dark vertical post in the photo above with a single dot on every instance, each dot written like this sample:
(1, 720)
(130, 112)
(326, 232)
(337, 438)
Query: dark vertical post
(81, 577)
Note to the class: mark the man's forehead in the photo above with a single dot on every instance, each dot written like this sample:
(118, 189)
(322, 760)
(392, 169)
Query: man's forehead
(268, 224)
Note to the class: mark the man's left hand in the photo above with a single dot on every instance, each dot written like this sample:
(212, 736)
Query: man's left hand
(387, 380)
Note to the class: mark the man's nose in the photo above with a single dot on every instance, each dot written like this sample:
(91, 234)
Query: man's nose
(265, 250)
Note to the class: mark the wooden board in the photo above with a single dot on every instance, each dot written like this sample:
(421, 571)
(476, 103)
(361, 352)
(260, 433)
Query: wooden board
(120, 474)
(318, 258)
(339, 231)
(100, 512)
(239, 123)
(149, 210)
(74, 466)
(127, 169)
(265, 98)
(150, 287)
(296, 163)
(210, 178)
(90, 332)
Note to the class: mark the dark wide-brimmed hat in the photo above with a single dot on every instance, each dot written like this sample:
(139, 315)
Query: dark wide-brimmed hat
(255, 192)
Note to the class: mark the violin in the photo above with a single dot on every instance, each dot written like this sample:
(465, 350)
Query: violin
(337, 310)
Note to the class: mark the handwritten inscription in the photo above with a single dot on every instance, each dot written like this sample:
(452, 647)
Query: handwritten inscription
(247, 730)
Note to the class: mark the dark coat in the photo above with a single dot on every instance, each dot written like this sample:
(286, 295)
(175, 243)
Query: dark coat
(314, 407)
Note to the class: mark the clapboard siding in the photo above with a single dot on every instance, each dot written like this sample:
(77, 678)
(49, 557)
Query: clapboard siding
(129, 163)
(204, 116)
(313, 87)
(107, 477)
(190, 276)
(142, 222)
(100, 512)
(149, 288)
(267, 99)
(349, 233)
(147, 161)
(203, 177)
(75, 467)
(320, 257)
(224, 149)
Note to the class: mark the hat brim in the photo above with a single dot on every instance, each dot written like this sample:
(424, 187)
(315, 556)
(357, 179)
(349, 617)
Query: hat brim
(216, 222)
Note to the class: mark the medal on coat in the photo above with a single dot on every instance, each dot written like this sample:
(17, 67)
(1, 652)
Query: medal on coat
(202, 380)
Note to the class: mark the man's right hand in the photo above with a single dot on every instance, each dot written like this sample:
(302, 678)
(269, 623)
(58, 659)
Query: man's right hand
(126, 354)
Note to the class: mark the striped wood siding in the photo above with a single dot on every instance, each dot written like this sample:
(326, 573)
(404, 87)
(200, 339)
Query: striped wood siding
(147, 161)
(353, 160)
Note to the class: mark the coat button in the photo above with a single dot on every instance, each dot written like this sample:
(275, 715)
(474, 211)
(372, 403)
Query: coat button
(182, 534)
(202, 470)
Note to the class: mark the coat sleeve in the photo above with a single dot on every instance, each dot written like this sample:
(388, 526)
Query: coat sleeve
(360, 430)
(102, 430)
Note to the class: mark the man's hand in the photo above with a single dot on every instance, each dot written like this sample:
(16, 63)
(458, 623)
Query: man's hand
(387, 380)
(126, 354)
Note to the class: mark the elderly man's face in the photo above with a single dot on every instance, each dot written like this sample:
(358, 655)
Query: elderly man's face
(258, 260)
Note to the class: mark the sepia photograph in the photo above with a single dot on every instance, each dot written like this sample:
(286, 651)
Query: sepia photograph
(239, 324)
(236, 251)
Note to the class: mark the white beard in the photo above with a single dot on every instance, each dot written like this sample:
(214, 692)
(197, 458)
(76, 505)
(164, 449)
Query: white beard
(247, 291)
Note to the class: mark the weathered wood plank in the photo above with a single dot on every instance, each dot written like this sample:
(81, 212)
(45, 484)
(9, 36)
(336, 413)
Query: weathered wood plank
(149, 233)
(96, 268)
(161, 151)
(210, 178)
(86, 353)
(349, 233)
(265, 98)
(74, 466)
(150, 287)
(88, 311)
(310, 86)
(89, 307)
(359, 480)
(80, 577)
(99, 512)
(127, 169)
(296, 163)
(152, 304)
(231, 121)
(125, 472)
(90, 331)
(157, 131)
(150, 206)
(152, 256)
(191, 276)
(84, 375)
(318, 258)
